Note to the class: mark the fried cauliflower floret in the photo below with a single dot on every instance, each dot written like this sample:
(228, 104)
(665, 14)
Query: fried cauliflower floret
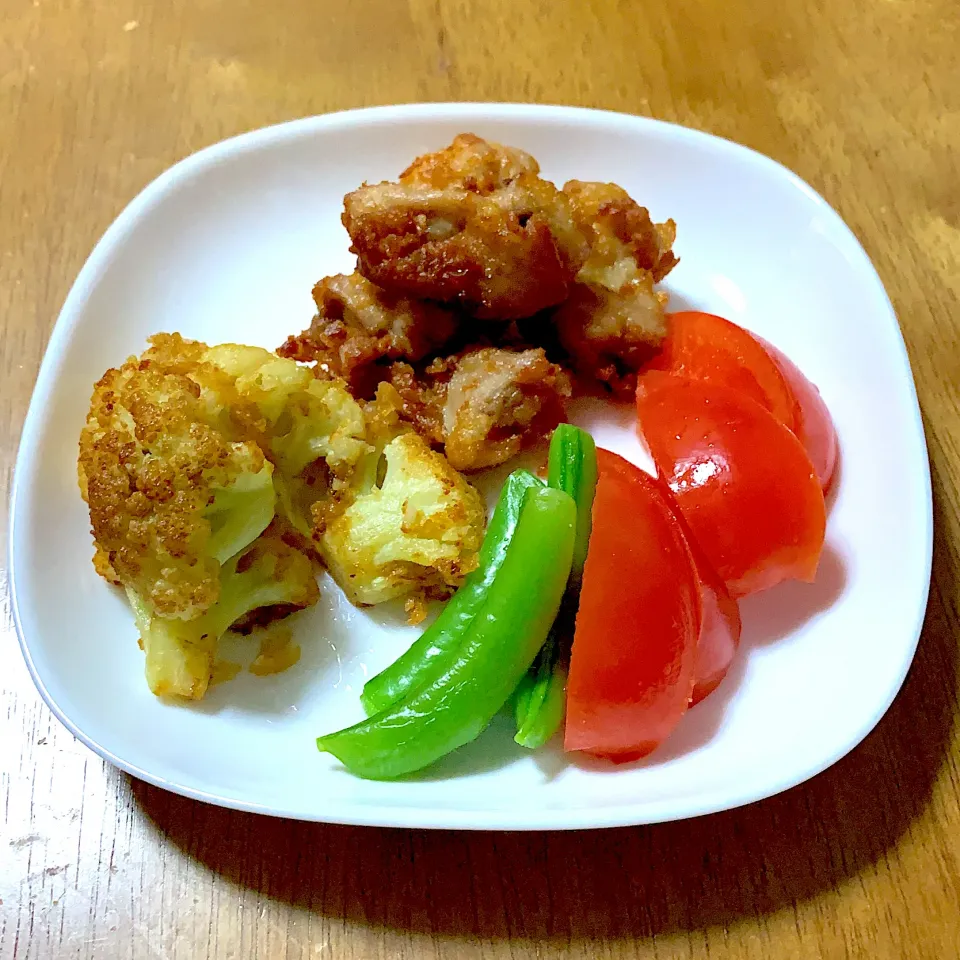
(473, 224)
(414, 525)
(359, 327)
(484, 405)
(171, 497)
(613, 319)
(181, 654)
(204, 469)
(312, 430)
(180, 461)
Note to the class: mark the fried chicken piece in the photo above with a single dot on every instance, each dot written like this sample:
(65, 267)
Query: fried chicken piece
(608, 335)
(472, 224)
(484, 405)
(624, 238)
(358, 325)
(613, 319)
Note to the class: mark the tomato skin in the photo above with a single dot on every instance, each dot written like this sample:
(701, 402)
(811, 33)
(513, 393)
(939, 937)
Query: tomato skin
(707, 347)
(719, 632)
(813, 424)
(634, 649)
(741, 479)
(720, 624)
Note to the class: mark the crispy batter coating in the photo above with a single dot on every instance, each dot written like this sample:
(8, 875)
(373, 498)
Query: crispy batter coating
(614, 320)
(622, 233)
(484, 405)
(358, 326)
(608, 335)
(473, 224)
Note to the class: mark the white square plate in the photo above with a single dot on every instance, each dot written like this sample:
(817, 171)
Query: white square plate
(226, 246)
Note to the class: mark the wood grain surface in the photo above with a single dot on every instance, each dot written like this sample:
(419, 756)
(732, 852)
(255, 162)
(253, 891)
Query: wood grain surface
(862, 99)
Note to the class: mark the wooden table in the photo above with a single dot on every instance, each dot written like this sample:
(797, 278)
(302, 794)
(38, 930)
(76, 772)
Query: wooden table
(860, 98)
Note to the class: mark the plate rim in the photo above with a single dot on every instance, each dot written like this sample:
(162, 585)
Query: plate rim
(421, 816)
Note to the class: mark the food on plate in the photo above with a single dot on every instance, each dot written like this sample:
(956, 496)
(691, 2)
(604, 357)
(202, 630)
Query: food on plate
(389, 516)
(710, 348)
(572, 467)
(484, 405)
(540, 698)
(416, 528)
(633, 662)
(483, 294)
(720, 624)
(181, 653)
(613, 320)
(602, 601)
(278, 651)
(742, 480)
(460, 696)
(443, 636)
(813, 424)
(171, 495)
(473, 225)
(360, 328)
(190, 453)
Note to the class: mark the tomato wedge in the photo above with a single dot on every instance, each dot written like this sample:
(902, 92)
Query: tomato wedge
(720, 624)
(634, 648)
(707, 347)
(741, 479)
(719, 630)
(813, 424)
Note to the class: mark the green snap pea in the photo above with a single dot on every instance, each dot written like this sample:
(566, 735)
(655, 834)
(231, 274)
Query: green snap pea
(443, 636)
(540, 697)
(460, 695)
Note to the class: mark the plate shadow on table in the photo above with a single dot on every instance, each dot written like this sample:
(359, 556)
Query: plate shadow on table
(615, 884)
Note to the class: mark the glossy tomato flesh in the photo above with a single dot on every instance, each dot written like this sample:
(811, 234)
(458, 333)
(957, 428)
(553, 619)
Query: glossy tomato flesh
(741, 479)
(707, 347)
(634, 648)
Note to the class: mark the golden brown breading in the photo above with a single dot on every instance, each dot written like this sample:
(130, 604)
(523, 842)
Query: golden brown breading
(472, 163)
(473, 224)
(358, 325)
(484, 405)
(608, 335)
(622, 234)
(613, 319)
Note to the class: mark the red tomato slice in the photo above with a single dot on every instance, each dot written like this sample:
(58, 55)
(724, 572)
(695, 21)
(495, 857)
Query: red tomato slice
(707, 347)
(720, 625)
(719, 630)
(742, 480)
(814, 425)
(634, 647)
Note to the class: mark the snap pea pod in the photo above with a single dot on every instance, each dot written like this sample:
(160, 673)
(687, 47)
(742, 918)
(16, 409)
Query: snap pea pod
(572, 468)
(541, 695)
(540, 698)
(445, 633)
(460, 696)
